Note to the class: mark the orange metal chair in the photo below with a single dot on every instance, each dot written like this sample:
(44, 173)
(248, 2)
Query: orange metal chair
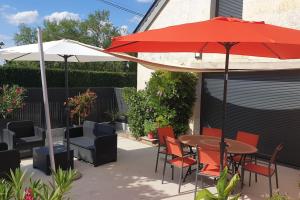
(214, 132)
(264, 170)
(210, 159)
(179, 159)
(162, 133)
(248, 138)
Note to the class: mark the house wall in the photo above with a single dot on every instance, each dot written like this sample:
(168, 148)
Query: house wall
(278, 12)
(177, 12)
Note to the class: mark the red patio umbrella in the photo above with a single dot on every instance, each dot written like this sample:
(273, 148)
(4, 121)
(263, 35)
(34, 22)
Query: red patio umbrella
(218, 35)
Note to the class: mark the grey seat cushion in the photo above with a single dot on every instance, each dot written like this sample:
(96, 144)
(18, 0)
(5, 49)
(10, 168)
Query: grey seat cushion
(84, 142)
(28, 140)
(94, 129)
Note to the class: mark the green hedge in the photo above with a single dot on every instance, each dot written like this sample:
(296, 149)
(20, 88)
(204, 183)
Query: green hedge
(30, 77)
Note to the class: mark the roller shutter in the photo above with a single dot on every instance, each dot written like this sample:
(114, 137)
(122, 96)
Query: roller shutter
(230, 8)
(266, 103)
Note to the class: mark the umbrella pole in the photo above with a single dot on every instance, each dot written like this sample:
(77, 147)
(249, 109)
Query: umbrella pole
(67, 108)
(46, 103)
(223, 143)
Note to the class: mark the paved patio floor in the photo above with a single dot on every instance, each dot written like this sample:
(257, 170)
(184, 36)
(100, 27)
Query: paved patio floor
(132, 177)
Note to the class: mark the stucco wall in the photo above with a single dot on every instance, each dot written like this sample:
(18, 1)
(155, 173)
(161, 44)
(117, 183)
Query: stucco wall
(178, 12)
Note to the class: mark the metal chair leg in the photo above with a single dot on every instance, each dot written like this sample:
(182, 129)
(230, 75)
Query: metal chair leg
(172, 168)
(242, 178)
(276, 176)
(255, 160)
(250, 178)
(196, 183)
(270, 185)
(180, 179)
(164, 171)
(157, 156)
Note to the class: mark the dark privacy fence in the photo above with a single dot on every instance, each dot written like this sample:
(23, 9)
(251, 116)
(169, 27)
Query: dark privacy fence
(266, 103)
(34, 110)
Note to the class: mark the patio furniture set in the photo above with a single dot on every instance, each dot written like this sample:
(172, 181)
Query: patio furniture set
(95, 143)
(203, 153)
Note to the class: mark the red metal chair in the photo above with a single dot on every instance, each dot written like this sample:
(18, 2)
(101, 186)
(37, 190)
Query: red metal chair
(210, 159)
(162, 133)
(262, 169)
(248, 138)
(214, 132)
(179, 159)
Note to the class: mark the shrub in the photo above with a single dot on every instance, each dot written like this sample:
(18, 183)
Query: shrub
(168, 99)
(11, 98)
(16, 188)
(172, 96)
(137, 114)
(81, 105)
(31, 77)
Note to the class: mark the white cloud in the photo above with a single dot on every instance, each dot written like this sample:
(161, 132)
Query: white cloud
(144, 1)
(135, 19)
(26, 17)
(59, 16)
(123, 30)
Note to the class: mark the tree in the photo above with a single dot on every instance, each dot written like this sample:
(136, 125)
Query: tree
(26, 35)
(98, 29)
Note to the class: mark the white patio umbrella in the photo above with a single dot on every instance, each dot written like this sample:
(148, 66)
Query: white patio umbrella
(62, 51)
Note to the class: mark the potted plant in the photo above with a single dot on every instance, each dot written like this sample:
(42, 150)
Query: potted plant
(80, 106)
(150, 129)
(11, 99)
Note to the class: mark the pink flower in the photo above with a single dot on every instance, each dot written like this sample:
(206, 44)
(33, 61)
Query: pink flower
(28, 194)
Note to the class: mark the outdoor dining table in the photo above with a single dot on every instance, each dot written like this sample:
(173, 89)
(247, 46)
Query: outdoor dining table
(234, 147)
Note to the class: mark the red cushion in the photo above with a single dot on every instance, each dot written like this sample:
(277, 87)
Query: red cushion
(259, 169)
(185, 162)
(210, 170)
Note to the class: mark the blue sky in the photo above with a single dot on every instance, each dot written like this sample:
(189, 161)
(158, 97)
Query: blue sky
(33, 12)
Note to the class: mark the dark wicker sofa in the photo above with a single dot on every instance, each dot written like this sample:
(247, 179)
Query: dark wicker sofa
(94, 142)
(23, 136)
(10, 160)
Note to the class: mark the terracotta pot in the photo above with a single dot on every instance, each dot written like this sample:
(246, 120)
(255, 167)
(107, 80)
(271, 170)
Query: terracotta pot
(150, 135)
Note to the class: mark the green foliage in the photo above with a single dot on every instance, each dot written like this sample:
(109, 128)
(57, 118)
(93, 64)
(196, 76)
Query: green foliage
(224, 188)
(172, 96)
(278, 196)
(26, 35)
(81, 105)
(167, 100)
(11, 98)
(55, 78)
(16, 188)
(137, 110)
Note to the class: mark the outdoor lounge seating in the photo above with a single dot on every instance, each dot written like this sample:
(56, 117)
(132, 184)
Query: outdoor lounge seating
(23, 136)
(10, 160)
(94, 142)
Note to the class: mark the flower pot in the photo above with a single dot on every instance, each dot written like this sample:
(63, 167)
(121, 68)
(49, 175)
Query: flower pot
(150, 135)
